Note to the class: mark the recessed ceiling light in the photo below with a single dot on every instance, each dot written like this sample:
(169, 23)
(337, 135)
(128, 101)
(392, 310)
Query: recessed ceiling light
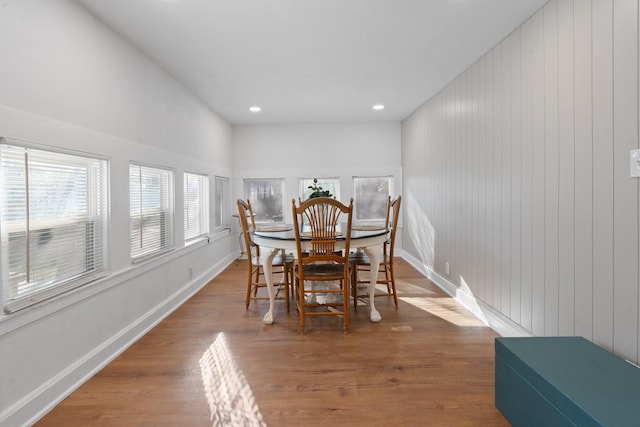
(255, 109)
(378, 107)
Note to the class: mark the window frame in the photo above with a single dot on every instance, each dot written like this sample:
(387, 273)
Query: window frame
(201, 207)
(257, 205)
(383, 202)
(166, 215)
(223, 203)
(89, 217)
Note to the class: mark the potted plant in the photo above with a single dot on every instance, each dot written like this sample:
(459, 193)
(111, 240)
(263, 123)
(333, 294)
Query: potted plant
(317, 191)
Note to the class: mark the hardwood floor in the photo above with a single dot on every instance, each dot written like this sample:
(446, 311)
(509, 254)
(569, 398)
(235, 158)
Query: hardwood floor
(211, 362)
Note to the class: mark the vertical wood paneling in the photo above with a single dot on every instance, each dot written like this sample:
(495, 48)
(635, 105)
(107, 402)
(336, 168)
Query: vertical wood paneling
(468, 269)
(461, 179)
(566, 172)
(551, 168)
(602, 95)
(445, 194)
(435, 176)
(506, 177)
(488, 178)
(482, 176)
(475, 196)
(526, 189)
(451, 170)
(442, 178)
(498, 252)
(583, 170)
(521, 166)
(636, 145)
(453, 177)
(516, 174)
(538, 171)
(445, 148)
(425, 184)
(625, 196)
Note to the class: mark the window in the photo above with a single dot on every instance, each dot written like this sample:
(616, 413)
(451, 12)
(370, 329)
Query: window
(196, 206)
(151, 211)
(331, 184)
(53, 223)
(266, 197)
(371, 197)
(223, 192)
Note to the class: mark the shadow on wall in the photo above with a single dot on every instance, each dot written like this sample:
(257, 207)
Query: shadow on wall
(422, 233)
(423, 239)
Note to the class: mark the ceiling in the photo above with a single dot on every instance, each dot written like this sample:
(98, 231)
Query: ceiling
(307, 61)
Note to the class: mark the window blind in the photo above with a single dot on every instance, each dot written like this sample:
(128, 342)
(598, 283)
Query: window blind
(53, 223)
(196, 206)
(151, 211)
(222, 194)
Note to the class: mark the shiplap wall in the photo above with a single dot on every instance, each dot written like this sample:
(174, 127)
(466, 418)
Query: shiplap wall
(517, 175)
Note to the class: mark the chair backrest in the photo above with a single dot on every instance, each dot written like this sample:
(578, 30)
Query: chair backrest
(395, 212)
(322, 215)
(387, 221)
(246, 214)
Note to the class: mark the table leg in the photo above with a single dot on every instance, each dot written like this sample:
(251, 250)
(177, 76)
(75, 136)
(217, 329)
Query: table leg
(267, 265)
(374, 260)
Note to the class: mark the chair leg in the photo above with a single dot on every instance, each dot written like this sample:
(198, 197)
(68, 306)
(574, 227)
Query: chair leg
(258, 272)
(299, 299)
(354, 285)
(301, 303)
(388, 279)
(294, 292)
(248, 299)
(345, 305)
(285, 278)
(393, 283)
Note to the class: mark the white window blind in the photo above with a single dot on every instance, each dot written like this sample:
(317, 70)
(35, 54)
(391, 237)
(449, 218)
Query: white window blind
(196, 206)
(53, 223)
(151, 209)
(372, 197)
(222, 194)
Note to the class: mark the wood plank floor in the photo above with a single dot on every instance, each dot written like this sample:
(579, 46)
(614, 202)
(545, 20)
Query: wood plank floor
(211, 362)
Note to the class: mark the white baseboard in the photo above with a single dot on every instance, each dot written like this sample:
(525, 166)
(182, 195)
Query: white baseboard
(43, 399)
(491, 317)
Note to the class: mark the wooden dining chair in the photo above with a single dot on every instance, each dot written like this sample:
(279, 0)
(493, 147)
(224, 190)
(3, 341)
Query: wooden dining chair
(323, 266)
(282, 264)
(360, 262)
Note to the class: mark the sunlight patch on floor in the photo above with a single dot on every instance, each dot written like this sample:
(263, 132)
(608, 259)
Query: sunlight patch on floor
(230, 398)
(404, 287)
(446, 309)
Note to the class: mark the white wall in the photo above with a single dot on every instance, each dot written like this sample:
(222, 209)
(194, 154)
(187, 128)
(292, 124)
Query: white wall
(296, 151)
(66, 81)
(517, 174)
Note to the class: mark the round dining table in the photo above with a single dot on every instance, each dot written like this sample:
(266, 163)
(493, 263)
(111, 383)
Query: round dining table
(273, 239)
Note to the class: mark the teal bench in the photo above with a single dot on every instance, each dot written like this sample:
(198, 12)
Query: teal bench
(564, 381)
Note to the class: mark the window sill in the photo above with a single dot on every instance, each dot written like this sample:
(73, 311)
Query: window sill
(219, 234)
